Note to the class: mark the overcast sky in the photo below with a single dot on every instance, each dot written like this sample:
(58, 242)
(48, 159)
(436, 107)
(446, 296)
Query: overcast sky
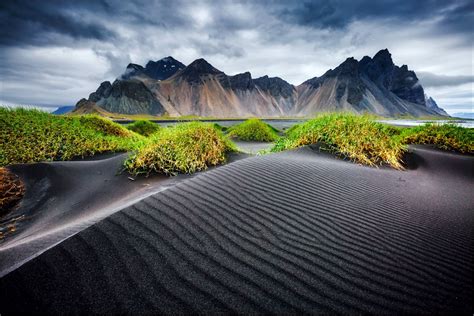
(55, 52)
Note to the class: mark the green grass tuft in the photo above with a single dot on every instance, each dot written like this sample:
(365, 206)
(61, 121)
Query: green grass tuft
(143, 127)
(183, 148)
(102, 125)
(358, 138)
(254, 130)
(31, 136)
(444, 136)
(219, 127)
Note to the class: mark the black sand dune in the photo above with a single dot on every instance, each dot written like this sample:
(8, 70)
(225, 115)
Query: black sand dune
(295, 232)
(63, 198)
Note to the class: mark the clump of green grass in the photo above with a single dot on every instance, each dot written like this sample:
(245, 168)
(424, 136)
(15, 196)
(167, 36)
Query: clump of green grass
(253, 130)
(444, 136)
(31, 136)
(102, 125)
(219, 127)
(358, 138)
(292, 128)
(183, 148)
(143, 127)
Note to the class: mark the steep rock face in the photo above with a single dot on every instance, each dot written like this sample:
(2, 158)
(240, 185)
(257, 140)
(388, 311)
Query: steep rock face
(241, 81)
(102, 92)
(283, 93)
(399, 80)
(341, 89)
(372, 85)
(201, 89)
(127, 97)
(431, 104)
(276, 86)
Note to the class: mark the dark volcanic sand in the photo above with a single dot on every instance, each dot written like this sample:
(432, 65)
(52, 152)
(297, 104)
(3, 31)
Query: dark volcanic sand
(284, 233)
(63, 198)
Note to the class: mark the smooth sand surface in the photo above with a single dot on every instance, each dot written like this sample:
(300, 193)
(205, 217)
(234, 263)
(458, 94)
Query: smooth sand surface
(293, 232)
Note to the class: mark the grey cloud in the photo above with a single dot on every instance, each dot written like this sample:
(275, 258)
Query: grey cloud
(459, 18)
(295, 40)
(455, 16)
(52, 22)
(429, 79)
(40, 23)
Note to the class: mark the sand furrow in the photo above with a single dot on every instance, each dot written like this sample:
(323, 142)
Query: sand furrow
(295, 232)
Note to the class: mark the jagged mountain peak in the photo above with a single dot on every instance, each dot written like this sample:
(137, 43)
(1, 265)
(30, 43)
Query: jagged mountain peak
(158, 70)
(432, 105)
(201, 65)
(383, 61)
(383, 55)
(164, 68)
(242, 81)
(134, 66)
(266, 77)
(349, 67)
(131, 71)
(169, 59)
(166, 61)
(275, 85)
(197, 70)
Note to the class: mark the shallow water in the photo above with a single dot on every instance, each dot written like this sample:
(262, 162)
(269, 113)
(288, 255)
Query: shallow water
(285, 124)
(278, 124)
(463, 123)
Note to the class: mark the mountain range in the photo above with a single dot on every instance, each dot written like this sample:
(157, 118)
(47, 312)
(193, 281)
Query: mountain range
(168, 87)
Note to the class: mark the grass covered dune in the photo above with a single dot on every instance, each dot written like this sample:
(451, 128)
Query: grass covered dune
(363, 140)
(183, 148)
(359, 138)
(34, 136)
(253, 130)
(143, 127)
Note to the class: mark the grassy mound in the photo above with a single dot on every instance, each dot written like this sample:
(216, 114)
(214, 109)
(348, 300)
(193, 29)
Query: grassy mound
(143, 127)
(102, 125)
(444, 136)
(32, 136)
(358, 138)
(253, 130)
(183, 148)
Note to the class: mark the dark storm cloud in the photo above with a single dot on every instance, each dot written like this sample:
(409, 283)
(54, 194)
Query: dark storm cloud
(52, 22)
(48, 22)
(40, 22)
(333, 14)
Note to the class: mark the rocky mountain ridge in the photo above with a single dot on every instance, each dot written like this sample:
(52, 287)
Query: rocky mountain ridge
(373, 85)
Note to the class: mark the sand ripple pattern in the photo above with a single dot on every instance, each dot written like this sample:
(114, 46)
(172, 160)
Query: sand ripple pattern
(295, 232)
